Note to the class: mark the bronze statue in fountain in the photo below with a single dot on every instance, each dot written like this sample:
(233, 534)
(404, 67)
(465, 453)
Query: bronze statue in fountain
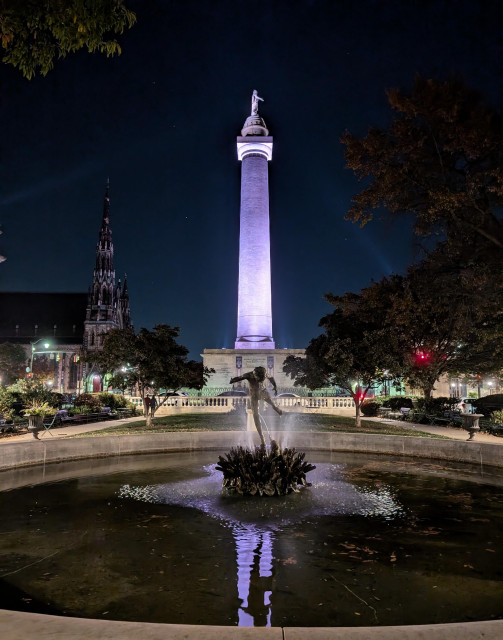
(263, 471)
(256, 381)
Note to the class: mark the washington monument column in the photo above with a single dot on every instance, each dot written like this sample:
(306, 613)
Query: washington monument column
(254, 329)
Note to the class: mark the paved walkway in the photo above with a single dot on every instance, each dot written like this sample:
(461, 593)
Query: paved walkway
(69, 430)
(448, 432)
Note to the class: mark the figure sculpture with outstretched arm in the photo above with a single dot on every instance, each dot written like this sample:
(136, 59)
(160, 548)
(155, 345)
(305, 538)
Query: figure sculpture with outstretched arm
(256, 380)
(255, 99)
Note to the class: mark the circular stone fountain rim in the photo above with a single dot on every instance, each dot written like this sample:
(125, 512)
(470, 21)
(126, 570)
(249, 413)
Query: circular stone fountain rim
(24, 454)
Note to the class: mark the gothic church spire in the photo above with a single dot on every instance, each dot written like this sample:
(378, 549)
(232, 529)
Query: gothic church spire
(106, 308)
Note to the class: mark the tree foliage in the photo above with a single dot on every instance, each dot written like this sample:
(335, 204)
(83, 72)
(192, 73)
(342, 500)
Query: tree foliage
(152, 361)
(435, 319)
(34, 33)
(444, 316)
(13, 360)
(441, 159)
(353, 353)
(44, 369)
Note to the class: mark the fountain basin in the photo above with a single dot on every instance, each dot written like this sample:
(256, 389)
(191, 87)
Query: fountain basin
(52, 450)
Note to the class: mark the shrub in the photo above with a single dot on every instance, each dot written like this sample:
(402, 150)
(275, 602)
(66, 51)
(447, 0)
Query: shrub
(370, 408)
(27, 392)
(397, 402)
(488, 404)
(40, 409)
(497, 417)
(82, 409)
(88, 400)
(112, 400)
(436, 405)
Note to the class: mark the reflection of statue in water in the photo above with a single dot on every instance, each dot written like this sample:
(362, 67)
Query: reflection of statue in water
(255, 99)
(255, 575)
(256, 379)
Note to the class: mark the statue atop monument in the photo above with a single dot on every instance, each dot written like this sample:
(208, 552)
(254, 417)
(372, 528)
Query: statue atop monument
(254, 102)
(254, 124)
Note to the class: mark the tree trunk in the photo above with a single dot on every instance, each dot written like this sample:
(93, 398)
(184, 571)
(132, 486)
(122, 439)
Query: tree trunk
(149, 419)
(358, 421)
(427, 391)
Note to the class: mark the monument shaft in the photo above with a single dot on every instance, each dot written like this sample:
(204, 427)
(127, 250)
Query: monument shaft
(254, 330)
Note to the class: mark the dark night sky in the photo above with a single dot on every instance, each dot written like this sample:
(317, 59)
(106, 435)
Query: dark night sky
(161, 121)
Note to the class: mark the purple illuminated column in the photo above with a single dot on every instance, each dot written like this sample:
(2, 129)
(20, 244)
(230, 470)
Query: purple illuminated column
(254, 292)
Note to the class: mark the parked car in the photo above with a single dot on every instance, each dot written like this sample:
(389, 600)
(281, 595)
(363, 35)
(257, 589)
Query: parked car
(466, 405)
(287, 395)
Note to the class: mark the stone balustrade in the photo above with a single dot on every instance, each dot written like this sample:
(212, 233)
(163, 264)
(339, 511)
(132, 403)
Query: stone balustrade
(224, 404)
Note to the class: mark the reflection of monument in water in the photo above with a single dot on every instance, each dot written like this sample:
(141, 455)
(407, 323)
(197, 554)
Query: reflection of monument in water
(255, 569)
(254, 345)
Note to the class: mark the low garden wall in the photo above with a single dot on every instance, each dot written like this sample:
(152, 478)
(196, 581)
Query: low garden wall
(22, 454)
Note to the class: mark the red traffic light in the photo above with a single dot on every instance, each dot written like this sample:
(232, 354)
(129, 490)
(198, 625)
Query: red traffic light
(423, 357)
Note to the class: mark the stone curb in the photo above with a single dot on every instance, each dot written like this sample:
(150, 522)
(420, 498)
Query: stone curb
(15, 625)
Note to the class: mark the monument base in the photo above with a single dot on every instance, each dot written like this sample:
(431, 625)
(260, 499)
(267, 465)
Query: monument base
(231, 363)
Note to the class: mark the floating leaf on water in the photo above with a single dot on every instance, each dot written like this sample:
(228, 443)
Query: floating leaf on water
(479, 519)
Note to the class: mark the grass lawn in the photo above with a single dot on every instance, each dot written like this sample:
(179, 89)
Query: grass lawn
(235, 422)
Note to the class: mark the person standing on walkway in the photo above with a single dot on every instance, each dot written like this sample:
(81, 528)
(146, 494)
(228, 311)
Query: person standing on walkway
(153, 405)
(146, 404)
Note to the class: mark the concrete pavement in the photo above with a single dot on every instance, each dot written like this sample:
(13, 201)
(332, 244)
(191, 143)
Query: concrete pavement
(68, 429)
(447, 432)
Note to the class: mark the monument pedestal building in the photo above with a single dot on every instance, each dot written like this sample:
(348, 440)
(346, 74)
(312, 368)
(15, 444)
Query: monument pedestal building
(231, 363)
(254, 345)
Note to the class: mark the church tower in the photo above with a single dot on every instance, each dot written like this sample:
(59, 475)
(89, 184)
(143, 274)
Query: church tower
(108, 303)
(254, 329)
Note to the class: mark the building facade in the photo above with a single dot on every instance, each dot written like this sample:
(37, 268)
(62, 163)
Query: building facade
(50, 327)
(55, 328)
